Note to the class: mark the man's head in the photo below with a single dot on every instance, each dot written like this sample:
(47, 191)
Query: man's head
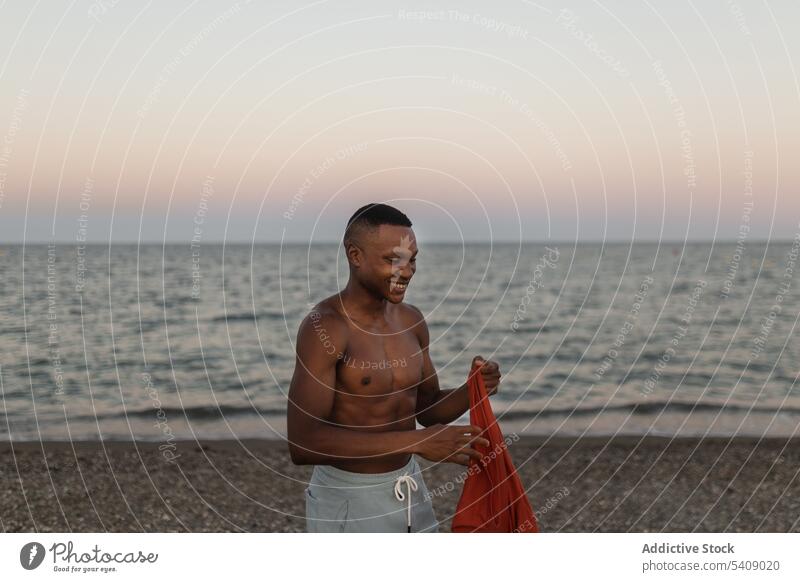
(381, 249)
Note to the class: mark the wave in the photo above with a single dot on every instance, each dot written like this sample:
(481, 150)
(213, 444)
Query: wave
(204, 412)
(198, 412)
(648, 408)
(247, 316)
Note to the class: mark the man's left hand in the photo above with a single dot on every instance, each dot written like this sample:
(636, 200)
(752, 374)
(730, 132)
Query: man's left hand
(490, 370)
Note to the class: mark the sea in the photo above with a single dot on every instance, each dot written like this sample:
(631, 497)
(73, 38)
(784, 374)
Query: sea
(177, 341)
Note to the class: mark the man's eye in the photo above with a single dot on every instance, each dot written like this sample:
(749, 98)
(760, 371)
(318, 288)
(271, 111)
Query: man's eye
(395, 260)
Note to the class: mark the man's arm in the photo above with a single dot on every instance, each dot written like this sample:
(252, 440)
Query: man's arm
(435, 405)
(312, 438)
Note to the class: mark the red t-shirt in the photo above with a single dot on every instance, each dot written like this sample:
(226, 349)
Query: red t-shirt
(493, 499)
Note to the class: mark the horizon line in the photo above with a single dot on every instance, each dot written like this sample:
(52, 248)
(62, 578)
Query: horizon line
(436, 242)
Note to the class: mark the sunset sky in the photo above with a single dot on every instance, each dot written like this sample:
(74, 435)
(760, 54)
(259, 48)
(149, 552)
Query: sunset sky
(483, 121)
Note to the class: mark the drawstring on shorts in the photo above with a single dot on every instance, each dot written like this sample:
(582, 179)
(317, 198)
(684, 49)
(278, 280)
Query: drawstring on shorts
(411, 485)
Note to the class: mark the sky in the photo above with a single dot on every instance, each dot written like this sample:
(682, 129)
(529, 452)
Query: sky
(267, 122)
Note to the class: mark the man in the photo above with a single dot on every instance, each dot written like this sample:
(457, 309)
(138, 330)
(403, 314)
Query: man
(363, 378)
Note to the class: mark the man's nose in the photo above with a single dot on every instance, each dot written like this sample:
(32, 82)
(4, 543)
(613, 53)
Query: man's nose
(404, 269)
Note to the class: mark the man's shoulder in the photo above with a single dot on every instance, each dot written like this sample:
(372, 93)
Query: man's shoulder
(413, 319)
(410, 312)
(325, 314)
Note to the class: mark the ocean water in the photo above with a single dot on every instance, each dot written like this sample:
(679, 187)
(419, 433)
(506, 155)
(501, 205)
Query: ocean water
(157, 342)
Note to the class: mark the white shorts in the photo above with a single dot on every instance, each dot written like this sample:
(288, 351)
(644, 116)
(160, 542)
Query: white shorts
(344, 501)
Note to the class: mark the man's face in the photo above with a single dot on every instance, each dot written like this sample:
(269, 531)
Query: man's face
(388, 260)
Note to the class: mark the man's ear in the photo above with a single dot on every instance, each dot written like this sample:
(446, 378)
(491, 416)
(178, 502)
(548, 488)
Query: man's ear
(353, 254)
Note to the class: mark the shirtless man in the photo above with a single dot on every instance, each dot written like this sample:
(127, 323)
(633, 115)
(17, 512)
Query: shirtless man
(362, 380)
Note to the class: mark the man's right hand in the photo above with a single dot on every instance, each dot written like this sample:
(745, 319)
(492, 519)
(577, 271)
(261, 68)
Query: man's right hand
(451, 443)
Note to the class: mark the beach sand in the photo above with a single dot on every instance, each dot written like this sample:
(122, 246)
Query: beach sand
(574, 485)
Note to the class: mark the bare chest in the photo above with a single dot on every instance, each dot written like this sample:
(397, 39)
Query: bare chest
(380, 364)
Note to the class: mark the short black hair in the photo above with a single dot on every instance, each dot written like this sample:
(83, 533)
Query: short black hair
(373, 215)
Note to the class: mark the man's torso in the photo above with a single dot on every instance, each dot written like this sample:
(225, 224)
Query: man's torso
(377, 375)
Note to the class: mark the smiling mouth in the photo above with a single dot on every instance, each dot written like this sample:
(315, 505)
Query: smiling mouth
(398, 286)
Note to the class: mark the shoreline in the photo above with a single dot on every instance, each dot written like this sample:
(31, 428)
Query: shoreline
(624, 483)
(526, 439)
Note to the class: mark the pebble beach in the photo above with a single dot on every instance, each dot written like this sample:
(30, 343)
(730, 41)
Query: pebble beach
(597, 484)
